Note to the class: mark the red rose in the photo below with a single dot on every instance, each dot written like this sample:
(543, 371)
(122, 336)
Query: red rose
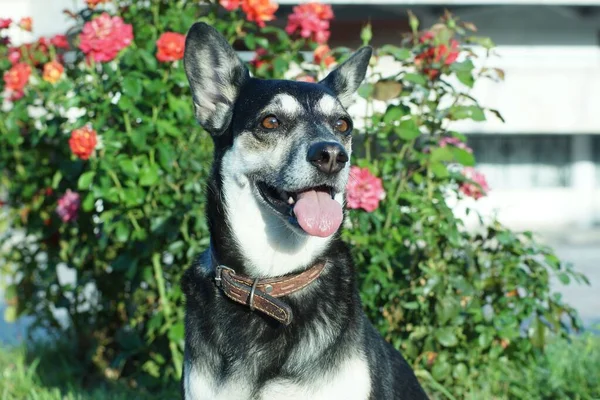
(60, 42)
(259, 58)
(16, 78)
(82, 142)
(322, 55)
(104, 37)
(439, 54)
(5, 23)
(259, 11)
(170, 46)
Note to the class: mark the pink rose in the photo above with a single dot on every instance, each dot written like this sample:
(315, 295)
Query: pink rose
(364, 190)
(310, 20)
(478, 187)
(104, 37)
(452, 141)
(68, 206)
(230, 5)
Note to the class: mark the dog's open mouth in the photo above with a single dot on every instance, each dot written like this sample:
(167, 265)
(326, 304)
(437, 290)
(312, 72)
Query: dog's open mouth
(314, 209)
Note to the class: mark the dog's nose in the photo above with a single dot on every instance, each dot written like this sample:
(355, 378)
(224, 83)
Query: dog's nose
(328, 157)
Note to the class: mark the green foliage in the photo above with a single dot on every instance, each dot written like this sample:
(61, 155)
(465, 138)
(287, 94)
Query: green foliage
(451, 299)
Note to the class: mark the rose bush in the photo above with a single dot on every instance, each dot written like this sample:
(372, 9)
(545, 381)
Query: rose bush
(103, 171)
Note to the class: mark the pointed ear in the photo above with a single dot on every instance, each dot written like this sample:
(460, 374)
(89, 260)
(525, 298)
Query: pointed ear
(216, 76)
(345, 79)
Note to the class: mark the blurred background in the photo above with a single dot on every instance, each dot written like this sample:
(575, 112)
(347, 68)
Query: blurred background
(542, 164)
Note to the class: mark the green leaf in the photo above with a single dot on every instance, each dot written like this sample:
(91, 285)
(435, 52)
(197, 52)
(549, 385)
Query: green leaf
(125, 103)
(466, 78)
(250, 42)
(415, 78)
(365, 90)
(122, 231)
(398, 53)
(393, 113)
(446, 337)
(166, 156)
(164, 126)
(138, 138)
(467, 112)
(10, 293)
(441, 369)
(85, 180)
(149, 175)
(176, 332)
(460, 372)
(439, 170)
(132, 87)
(440, 154)
(10, 314)
(564, 278)
(56, 179)
(408, 130)
(464, 66)
(88, 202)
(410, 305)
(129, 167)
(463, 156)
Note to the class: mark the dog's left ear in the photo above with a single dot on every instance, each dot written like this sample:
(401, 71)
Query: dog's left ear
(345, 79)
(216, 76)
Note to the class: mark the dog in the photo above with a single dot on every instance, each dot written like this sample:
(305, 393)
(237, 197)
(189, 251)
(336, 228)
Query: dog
(272, 307)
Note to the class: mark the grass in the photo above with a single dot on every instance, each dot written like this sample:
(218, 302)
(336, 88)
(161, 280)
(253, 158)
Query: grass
(569, 370)
(53, 375)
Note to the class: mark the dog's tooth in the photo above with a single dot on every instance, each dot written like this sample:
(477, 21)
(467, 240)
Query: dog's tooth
(290, 200)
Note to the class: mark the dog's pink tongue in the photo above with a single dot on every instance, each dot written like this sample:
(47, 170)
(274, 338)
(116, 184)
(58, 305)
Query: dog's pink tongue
(317, 213)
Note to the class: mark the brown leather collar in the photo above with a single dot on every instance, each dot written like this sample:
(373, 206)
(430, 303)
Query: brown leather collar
(261, 294)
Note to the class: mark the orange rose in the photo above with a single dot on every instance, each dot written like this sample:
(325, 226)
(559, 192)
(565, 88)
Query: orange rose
(93, 3)
(26, 24)
(16, 78)
(53, 70)
(321, 55)
(82, 142)
(259, 11)
(170, 46)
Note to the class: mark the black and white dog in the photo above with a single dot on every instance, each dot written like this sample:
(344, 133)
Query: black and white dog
(273, 310)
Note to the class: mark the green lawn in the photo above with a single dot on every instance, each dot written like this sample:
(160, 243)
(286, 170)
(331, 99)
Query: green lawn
(571, 370)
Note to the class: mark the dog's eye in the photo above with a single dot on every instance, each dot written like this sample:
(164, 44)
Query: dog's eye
(270, 122)
(342, 125)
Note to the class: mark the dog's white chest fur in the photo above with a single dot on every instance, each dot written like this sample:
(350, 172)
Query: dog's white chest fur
(349, 381)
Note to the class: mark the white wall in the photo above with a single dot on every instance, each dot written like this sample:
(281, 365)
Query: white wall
(48, 18)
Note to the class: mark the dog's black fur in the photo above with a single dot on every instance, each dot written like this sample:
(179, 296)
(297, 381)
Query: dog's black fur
(225, 340)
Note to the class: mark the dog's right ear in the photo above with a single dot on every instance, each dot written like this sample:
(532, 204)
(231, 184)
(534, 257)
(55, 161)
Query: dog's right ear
(216, 76)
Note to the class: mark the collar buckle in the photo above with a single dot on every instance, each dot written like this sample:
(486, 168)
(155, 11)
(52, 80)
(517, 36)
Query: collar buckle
(219, 272)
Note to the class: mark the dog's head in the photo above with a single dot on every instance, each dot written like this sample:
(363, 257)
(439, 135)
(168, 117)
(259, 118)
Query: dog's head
(287, 143)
